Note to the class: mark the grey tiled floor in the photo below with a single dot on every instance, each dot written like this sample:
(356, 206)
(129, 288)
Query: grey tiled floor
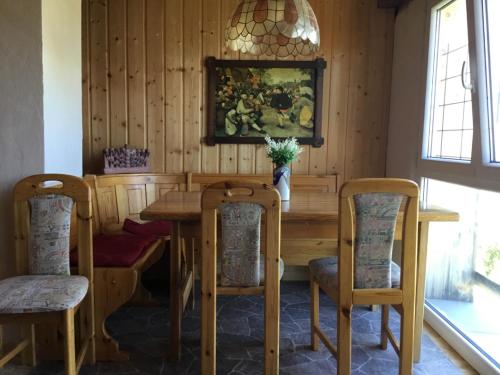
(143, 332)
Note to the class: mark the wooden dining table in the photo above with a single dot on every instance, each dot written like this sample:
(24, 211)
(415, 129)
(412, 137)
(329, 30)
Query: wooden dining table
(309, 224)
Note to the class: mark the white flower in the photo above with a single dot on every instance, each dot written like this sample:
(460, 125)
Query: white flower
(282, 152)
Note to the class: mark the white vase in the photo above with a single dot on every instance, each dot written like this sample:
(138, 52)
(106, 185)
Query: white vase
(281, 181)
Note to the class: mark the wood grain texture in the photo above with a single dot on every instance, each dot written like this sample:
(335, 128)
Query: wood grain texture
(79, 191)
(155, 110)
(403, 297)
(145, 83)
(304, 206)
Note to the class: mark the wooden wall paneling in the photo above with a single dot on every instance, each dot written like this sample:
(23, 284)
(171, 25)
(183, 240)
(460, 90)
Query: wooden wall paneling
(117, 74)
(355, 155)
(174, 89)
(262, 163)
(324, 13)
(374, 141)
(154, 83)
(136, 72)
(98, 83)
(212, 40)
(339, 86)
(140, 55)
(228, 153)
(192, 84)
(390, 20)
(246, 159)
(86, 97)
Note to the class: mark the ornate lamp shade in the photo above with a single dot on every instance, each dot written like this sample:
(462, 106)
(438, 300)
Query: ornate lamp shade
(273, 27)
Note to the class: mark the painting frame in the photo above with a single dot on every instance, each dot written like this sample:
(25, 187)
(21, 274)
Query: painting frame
(316, 66)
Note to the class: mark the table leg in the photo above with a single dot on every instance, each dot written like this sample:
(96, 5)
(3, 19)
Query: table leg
(423, 236)
(175, 295)
(208, 292)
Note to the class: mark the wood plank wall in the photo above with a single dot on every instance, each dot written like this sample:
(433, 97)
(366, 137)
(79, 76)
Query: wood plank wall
(144, 84)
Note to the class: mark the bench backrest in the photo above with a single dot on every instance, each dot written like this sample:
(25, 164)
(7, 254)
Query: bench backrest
(120, 196)
(314, 183)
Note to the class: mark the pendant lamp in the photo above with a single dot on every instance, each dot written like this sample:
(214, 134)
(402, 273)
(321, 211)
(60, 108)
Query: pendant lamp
(273, 27)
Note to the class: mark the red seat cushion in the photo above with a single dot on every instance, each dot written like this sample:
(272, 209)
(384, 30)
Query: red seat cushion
(117, 250)
(151, 228)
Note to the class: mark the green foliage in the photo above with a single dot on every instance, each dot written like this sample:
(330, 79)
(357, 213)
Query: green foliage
(491, 259)
(282, 152)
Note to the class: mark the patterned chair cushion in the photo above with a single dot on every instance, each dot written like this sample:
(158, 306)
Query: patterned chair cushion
(261, 270)
(325, 271)
(376, 215)
(41, 293)
(240, 223)
(49, 235)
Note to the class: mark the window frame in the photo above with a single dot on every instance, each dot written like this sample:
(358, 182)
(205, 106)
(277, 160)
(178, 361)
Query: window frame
(480, 172)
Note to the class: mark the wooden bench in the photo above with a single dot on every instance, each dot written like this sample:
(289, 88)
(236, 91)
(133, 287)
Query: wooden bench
(114, 199)
(292, 249)
(319, 183)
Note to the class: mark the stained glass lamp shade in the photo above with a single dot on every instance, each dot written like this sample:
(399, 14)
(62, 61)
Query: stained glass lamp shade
(273, 27)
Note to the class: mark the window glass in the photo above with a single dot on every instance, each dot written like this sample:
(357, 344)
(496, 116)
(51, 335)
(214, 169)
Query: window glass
(463, 264)
(450, 118)
(492, 34)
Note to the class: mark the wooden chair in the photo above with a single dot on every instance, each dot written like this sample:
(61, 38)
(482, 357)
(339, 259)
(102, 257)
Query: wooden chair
(240, 205)
(363, 273)
(45, 292)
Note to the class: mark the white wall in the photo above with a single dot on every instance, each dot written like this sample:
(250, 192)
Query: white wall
(62, 85)
(21, 109)
(408, 90)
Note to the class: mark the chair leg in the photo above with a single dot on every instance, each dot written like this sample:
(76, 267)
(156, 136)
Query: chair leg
(87, 328)
(191, 251)
(314, 314)
(344, 339)
(406, 340)
(28, 355)
(383, 326)
(69, 342)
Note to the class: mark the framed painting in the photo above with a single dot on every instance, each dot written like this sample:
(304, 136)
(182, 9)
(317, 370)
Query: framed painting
(248, 100)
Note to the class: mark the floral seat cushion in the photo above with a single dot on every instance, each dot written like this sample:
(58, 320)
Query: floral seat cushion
(49, 235)
(262, 270)
(376, 215)
(325, 271)
(240, 224)
(41, 293)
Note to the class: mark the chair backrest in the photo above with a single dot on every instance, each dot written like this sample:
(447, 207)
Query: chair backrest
(241, 205)
(45, 202)
(369, 210)
(314, 183)
(122, 196)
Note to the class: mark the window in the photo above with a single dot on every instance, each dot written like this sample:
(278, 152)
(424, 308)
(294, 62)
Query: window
(450, 122)
(492, 51)
(460, 170)
(463, 266)
(461, 135)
